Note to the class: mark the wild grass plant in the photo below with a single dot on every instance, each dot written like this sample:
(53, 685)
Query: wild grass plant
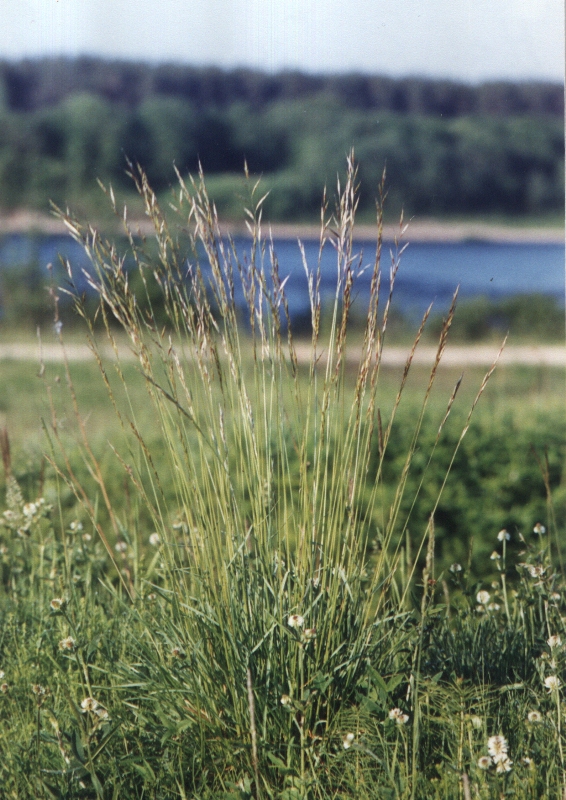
(273, 631)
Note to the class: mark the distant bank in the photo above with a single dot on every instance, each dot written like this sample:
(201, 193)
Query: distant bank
(423, 230)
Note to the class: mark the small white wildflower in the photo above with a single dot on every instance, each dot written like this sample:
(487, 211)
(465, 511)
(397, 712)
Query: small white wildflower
(483, 597)
(484, 762)
(3, 550)
(89, 704)
(176, 652)
(296, 621)
(535, 571)
(527, 761)
(2, 674)
(101, 712)
(57, 603)
(58, 327)
(504, 765)
(121, 547)
(554, 641)
(397, 715)
(539, 529)
(285, 700)
(29, 510)
(9, 515)
(76, 526)
(455, 567)
(348, 740)
(552, 682)
(497, 748)
(477, 722)
(4, 688)
(154, 539)
(556, 596)
(67, 644)
(534, 716)
(503, 535)
(493, 607)
(38, 689)
(309, 633)
(86, 537)
(495, 556)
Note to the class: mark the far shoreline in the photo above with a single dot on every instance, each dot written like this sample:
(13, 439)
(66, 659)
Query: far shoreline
(24, 221)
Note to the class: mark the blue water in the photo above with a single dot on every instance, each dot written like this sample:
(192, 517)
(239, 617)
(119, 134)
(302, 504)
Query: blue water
(428, 272)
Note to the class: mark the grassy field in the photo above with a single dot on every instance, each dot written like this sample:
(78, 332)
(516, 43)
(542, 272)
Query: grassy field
(228, 574)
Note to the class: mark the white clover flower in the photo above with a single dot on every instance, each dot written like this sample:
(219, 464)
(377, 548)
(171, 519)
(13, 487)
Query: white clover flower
(89, 704)
(495, 556)
(535, 570)
(101, 712)
(397, 715)
(503, 535)
(285, 700)
(455, 568)
(483, 597)
(29, 510)
(554, 641)
(552, 683)
(348, 740)
(484, 762)
(67, 644)
(504, 765)
(154, 539)
(296, 621)
(497, 748)
(539, 529)
(120, 547)
(534, 716)
(57, 603)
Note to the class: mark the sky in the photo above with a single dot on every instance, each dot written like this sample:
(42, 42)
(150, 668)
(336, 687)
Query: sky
(470, 40)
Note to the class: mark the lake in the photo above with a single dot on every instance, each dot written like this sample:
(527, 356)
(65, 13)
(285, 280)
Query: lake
(429, 272)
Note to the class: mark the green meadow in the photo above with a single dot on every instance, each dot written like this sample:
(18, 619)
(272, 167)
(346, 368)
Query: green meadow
(238, 565)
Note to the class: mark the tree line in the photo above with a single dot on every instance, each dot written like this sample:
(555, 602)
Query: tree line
(29, 85)
(451, 164)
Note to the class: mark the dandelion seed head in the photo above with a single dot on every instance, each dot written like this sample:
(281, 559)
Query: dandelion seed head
(398, 716)
(503, 765)
(484, 762)
(534, 716)
(483, 597)
(497, 748)
(89, 704)
(552, 683)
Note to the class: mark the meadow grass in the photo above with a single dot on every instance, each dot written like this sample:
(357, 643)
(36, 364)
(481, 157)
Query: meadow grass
(232, 590)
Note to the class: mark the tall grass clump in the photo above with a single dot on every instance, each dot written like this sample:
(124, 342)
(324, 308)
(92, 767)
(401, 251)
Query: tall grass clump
(256, 626)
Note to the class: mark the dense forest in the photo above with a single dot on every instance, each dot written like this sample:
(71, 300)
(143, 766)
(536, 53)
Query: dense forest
(449, 148)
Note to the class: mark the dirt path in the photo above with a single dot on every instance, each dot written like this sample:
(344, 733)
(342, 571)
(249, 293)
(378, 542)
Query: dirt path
(454, 356)
(419, 230)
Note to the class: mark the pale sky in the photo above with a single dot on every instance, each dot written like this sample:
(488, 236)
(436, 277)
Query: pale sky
(470, 40)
